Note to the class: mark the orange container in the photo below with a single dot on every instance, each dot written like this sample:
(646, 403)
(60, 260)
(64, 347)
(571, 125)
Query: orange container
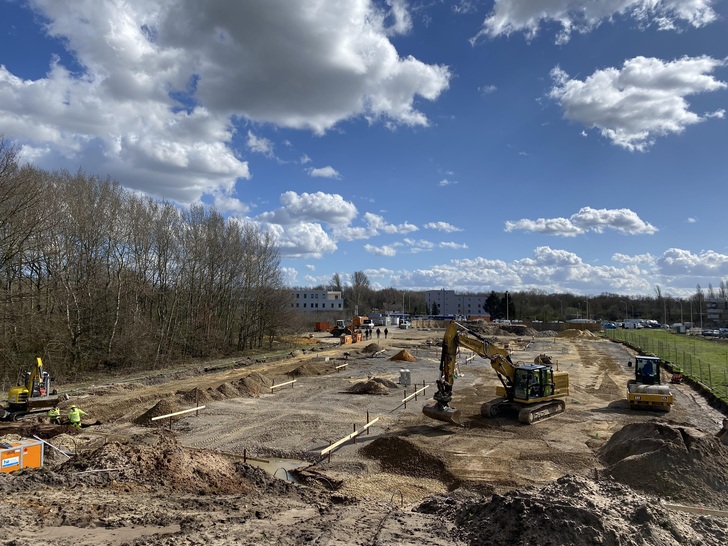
(22, 454)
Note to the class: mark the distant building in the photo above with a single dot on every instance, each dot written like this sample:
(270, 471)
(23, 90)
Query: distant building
(450, 303)
(717, 311)
(312, 301)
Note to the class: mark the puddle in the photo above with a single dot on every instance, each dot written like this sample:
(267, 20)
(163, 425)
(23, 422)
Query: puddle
(279, 468)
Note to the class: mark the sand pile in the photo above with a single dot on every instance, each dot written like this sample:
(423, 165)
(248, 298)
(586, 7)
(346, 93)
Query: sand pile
(371, 386)
(678, 463)
(163, 407)
(404, 355)
(574, 333)
(579, 512)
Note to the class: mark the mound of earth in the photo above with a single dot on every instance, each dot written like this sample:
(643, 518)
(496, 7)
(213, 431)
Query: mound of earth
(573, 333)
(399, 456)
(253, 384)
(386, 382)
(519, 330)
(194, 396)
(166, 463)
(163, 407)
(404, 355)
(371, 386)
(679, 463)
(228, 390)
(372, 348)
(308, 370)
(579, 512)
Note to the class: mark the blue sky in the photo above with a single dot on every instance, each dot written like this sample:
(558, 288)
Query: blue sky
(468, 145)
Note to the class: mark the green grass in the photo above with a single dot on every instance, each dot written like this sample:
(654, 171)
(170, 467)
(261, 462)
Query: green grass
(700, 359)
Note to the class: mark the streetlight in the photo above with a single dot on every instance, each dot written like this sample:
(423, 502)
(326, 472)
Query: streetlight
(681, 314)
(625, 309)
(507, 306)
(561, 317)
(587, 309)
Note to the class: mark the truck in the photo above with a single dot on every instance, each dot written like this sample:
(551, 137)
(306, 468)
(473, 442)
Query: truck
(363, 322)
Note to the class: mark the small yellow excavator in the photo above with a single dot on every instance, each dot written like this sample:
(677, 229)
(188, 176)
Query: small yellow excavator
(535, 391)
(32, 395)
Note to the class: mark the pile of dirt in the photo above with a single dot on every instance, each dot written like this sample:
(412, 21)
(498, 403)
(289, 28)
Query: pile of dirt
(573, 333)
(579, 512)
(194, 396)
(228, 390)
(371, 386)
(372, 348)
(308, 369)
(404, 355)
(679, 463)
(399, 456)
(163, 407)
(253, 384)
(386, 382)
(164, 464)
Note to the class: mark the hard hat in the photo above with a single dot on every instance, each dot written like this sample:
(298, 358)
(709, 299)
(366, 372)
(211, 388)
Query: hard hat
(73, 406)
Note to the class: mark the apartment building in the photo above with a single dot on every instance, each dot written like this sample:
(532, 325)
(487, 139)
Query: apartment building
(311, 301)
(450, 303)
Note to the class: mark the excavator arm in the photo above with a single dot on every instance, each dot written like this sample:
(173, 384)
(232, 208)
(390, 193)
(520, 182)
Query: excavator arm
(457, 335)
(534, 390)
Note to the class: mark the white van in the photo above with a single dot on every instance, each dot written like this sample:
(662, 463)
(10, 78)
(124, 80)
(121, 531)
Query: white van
(632, 324)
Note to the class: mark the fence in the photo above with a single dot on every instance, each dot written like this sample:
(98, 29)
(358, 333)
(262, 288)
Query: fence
(710, 373)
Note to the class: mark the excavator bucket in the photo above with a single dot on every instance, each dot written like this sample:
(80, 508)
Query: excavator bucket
(446, 414)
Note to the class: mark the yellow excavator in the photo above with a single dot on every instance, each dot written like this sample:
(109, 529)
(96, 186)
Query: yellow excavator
(535, 391)
(33, 395)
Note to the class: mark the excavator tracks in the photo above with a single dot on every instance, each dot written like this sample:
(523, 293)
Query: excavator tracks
(540, 412)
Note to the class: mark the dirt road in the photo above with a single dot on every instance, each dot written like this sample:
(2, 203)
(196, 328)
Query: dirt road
(407, 480)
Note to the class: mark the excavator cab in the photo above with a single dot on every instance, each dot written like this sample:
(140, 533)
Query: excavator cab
(533, 381)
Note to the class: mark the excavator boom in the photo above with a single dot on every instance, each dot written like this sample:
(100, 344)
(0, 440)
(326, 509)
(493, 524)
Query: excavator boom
(535, 390)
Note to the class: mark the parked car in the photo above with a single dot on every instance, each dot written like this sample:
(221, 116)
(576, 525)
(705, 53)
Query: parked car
(610, 326)
(404, 324)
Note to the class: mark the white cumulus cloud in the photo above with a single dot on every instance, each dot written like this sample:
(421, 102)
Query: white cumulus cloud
(640, 101)
(527, 16)
(159, 89)
(586, 220)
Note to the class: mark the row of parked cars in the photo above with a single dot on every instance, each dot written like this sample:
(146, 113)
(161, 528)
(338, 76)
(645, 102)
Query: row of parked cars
(720, 332)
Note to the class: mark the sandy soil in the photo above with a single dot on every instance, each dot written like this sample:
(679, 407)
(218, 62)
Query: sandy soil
(598, 473)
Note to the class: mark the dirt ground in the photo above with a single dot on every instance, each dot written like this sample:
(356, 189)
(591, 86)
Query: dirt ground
(250, 467)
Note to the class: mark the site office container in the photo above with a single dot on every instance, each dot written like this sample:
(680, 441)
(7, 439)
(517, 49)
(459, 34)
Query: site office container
(22, 454)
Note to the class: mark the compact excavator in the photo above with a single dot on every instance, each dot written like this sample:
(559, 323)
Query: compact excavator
(32, 395)
(535, 391)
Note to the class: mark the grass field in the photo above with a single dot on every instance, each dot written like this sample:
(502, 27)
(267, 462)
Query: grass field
(703, 360)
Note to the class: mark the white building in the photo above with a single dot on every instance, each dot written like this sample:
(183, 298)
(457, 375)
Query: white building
(450, 303)
(311, 301)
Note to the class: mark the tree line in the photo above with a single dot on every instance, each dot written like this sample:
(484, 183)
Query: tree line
(536, 305)
(96, 276)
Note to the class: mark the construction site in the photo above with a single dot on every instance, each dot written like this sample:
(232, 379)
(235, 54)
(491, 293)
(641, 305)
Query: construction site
(328, 443)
